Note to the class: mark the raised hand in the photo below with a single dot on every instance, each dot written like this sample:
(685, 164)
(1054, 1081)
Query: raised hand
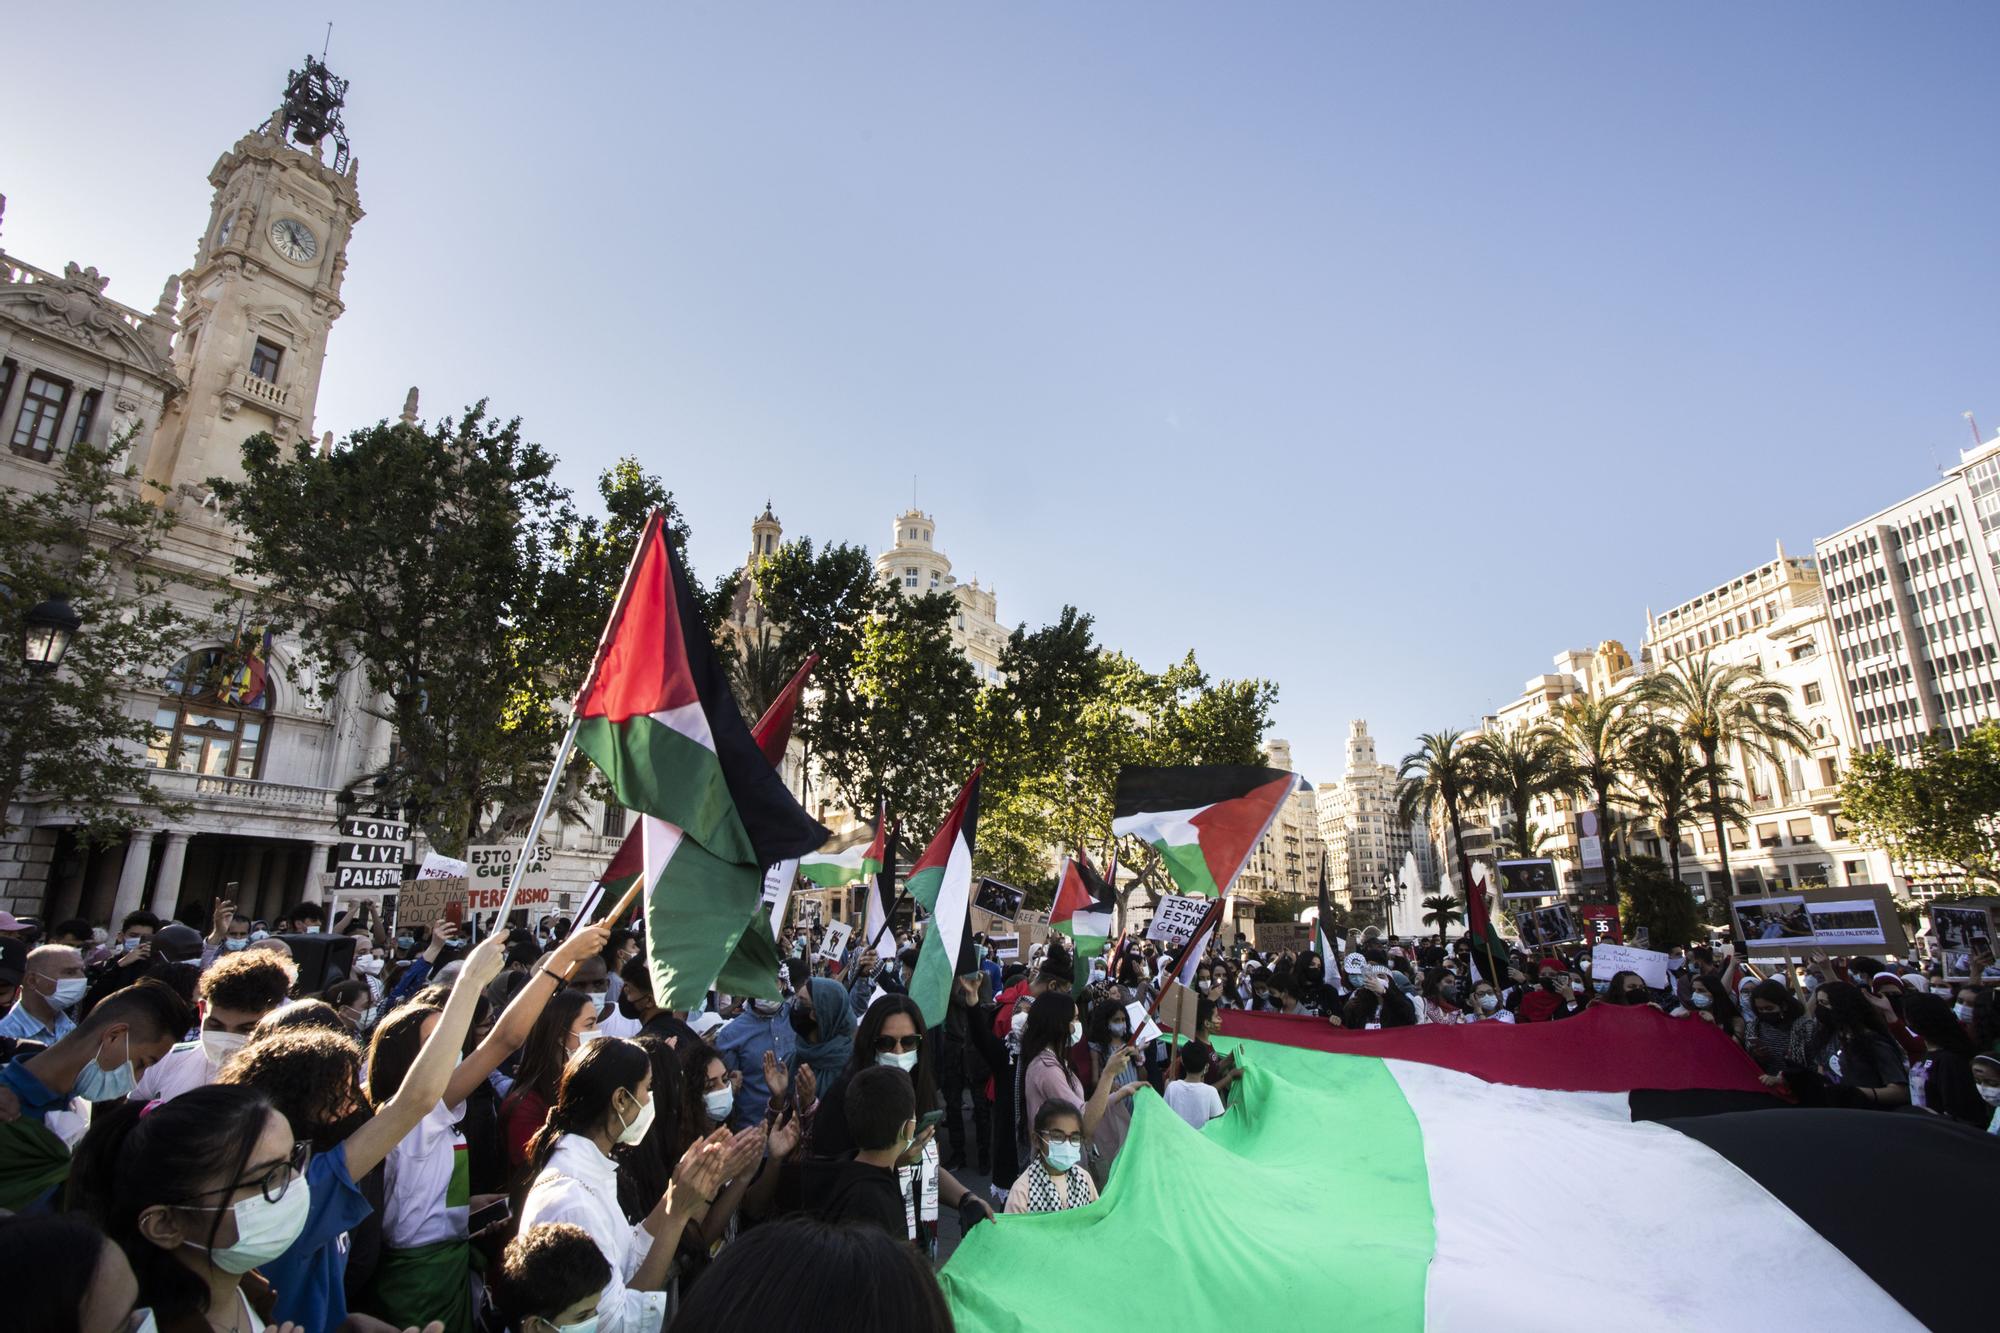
(808, 1085)
(775, 1077)
(581, 944)
(225, 912)
(786, 1136)
(745, 1150)
(485, 961)
(699, 1175)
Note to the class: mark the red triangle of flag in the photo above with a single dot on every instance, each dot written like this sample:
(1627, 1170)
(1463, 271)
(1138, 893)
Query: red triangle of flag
(642, 664)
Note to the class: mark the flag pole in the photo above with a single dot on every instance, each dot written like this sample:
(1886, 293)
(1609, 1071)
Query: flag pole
(550, 788)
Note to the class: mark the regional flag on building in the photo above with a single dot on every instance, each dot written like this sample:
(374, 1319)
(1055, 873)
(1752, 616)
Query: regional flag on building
(657, 718)
(1204, 820)
(942, 882)
(1085, 907)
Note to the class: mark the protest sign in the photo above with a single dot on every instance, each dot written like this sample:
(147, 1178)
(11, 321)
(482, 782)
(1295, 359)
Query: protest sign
(366, 877)
(1964, 931)
(1005, 947)
(1601, 919)
(371, 853)
(1528, 878)
(1277, 936)
(1175, 918)
(1180, 1011)
(1839, 920)
(365, 828)
(1544, 926)
(1607, 960)
(1589, 846)
(1143, 1028)
(423, 901)
(998, 899)
(442, 867)
(834, 944)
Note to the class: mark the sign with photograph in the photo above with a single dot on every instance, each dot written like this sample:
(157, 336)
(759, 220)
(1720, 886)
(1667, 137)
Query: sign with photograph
(1857, 918)
(1607, 960)
(1528, 878)
(1175, 918)
(1543, 926)
(1964, 931)
(997, 898)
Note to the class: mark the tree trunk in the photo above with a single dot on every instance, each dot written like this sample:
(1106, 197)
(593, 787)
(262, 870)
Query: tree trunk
(1721, 838)
(1605, 848)
(1672, 828)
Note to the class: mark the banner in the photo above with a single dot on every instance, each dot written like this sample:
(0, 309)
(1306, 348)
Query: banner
(1857, 918)
(1545, 926)
(1530, 878)
(1602, 921)
(1607, 960)
(1175, 918)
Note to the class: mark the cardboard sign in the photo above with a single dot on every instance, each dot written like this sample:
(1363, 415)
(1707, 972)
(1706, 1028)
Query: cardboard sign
(442, 867)
(370, 853)
(367, 877)
(1607, 960)
(1180, 1011)
(1601, 919)
(423, 901)
(364, 828)
(491, 864)
(1278, 936)
(1005, 947)
(1858, 918)
(1175, 918)
(834, 944)
(1534, 878)
(1964, 931)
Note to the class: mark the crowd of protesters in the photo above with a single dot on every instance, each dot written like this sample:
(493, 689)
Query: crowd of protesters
(517, 1135)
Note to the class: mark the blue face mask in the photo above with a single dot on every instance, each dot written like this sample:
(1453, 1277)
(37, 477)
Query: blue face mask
(406, 941)
(98, 1084)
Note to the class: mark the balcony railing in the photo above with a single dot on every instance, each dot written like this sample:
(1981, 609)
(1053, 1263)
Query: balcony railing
(261, 390)
(271, 795)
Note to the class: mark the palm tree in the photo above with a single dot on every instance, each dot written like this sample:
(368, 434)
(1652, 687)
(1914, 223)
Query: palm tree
(1516, 765)
(1594, 736)
(1443, 912)
(758, 670)
(1440, 775)
(1719, 709)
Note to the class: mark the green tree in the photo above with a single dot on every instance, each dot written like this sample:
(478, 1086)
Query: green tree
(1282, 906)
(822, 600)
(1672, 786)
(1594, 737)
(1441, 776)
(1444, 912)
(1660, 903)
(1517, 765)
(760, 666)
(91, 537)
(1720, 710)
(1943, 808)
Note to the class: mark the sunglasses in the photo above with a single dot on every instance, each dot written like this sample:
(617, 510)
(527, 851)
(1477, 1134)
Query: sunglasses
(891, 1045)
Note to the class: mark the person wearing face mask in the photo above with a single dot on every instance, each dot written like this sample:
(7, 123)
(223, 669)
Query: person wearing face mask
(52, 983)
(963, 1070)
(566, 1024)
(198, 1193)
(99, 1061)
(1108, 1032)
(1986, 1085)
(822, 1026)
(1941, 1080)
(1486, 1006)
(708, 1096)
(606, 1099)
(880, 1110)
(1045, 1072)
(550, 1279)
(233, 995)
(744, 1042)
(1054, 1180)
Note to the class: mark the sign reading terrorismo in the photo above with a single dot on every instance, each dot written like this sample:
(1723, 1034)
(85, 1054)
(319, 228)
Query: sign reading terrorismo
(1528, 878)
(490, 865)
(1175, 918)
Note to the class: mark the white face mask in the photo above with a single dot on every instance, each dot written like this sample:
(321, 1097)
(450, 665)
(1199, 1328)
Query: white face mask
(588, 1324)
(1075, 1032)
(1963, 1012)
(719, 1103)
(903, 1060)
(265, 1230)
(1488, 1003)
(235, 942)
(68, 991)
(98, 1084)
(1120, 1030)
(368, 967)
(642, 1122)
(1990, 1094)
(585, 1037)
(219, 1046)
(312, 930)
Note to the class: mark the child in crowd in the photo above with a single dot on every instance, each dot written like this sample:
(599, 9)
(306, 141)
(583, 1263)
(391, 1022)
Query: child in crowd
(1193, 1099)
(1053, 1182)
(550, 1279)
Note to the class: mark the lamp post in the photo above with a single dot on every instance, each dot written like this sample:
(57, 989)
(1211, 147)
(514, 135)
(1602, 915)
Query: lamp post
(47, 631)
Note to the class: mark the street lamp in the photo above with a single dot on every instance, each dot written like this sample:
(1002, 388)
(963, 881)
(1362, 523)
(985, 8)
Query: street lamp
(47, 632)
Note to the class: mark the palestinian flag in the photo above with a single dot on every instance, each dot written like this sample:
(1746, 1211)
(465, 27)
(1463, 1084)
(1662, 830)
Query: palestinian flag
(1084, 908)
(941, 881)
(1489, 951)
(881, 889)
(1203, 820)
(830, 870)
(1479, 1177)
(657, 718)
(773, 731)
(1329, 956)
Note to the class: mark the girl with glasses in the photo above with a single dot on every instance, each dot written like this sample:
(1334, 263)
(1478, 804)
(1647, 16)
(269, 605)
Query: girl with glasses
(1055, 1179)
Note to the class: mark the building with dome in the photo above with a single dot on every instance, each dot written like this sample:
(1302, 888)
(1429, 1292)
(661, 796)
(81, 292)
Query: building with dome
(913, 566)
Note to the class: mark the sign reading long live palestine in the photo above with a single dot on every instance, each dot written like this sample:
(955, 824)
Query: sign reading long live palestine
(488, 867)
(372, 853)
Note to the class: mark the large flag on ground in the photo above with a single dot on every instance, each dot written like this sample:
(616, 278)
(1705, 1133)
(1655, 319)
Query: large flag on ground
(657, 718)
(1084, 908)
(1411, 1172)
(1204, 820)
(941, 881)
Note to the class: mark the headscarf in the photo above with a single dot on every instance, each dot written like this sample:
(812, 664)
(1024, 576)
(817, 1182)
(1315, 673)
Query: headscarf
(827, 1056)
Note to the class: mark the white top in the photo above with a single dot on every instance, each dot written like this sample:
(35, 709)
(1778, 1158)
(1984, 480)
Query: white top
(1196, 1103)
(580, 1185)
(183, 1069)
(425, 1188)
(617, 1025)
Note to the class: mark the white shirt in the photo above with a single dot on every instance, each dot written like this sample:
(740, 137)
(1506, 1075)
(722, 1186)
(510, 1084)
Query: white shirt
(183, 1069)
(425, 1190)
(1196, 1103)
(617, 1025)
(580, 1185)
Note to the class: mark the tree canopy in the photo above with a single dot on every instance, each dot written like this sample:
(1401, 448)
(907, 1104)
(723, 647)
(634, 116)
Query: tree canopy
(1943, 808)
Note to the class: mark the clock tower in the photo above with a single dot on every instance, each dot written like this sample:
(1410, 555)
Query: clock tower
(264, 290)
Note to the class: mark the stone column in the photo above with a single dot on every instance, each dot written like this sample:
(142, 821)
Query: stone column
(132, 879)
(308, 885)
(66, 898)
(167, 887)
(251, 886)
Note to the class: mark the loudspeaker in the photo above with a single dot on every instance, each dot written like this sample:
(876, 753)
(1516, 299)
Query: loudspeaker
(322, 960)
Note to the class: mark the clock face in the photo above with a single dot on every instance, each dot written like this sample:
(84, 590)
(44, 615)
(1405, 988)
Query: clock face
(294, 240)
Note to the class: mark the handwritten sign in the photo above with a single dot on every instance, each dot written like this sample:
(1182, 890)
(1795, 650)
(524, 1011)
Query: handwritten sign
(1607, 960)
(425, 900)
(1175, 919)
(490, 865)
(441, 867)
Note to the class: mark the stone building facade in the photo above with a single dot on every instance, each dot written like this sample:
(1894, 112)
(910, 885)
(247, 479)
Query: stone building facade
(913, 565)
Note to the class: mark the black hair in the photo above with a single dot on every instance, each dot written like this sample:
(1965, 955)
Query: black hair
(924, 1077)
(693, 1114)
(311, 1075)
(306, 1013)
(348, 991)
(61, 1252)
(141, 917)
(1848, 1011)
(1097, 1028)
(1930, 1017)
(545, 1270)
(583, 1100)
(1362, 1008)
(637, 974)
(539, 1067)
(647, 1167)
(880, 1101)
(830, 1277)
(75, 928)
(1776, 992)
(1194, 1058)
(148, 1006)
(1056, 1106)
(1047, 1030)
(308, 911)
(137, 1158)
(255, 981)
(393, 1049)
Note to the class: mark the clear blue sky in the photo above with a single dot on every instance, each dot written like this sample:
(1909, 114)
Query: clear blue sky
(1381, 350)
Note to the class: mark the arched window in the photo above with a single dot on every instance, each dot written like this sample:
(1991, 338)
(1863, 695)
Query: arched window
(215, 716)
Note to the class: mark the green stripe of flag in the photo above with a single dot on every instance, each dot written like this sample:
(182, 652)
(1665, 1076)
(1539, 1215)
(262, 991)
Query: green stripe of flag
(655, 769)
